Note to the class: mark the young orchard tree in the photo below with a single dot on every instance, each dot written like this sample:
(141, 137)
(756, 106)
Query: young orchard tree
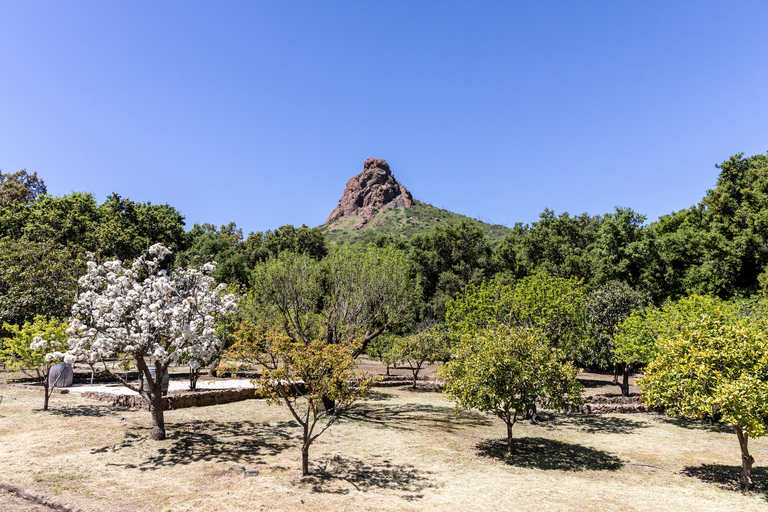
(34, 349)
(506, 371)
(417, 349)
(307, 375)
(635, 340)
(715, 366)
(147, 313)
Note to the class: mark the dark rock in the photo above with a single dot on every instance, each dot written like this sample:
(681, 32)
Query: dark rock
(373, 189)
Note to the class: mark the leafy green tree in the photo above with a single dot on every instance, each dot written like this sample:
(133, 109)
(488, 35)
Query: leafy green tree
(306, 378)
(353, 293)
(431, 345)
(20, 188)
(607, 307)
(636, 339)
(303, 240)
(34, 348)
(507, 371)
(555, 307)
(736, 240)
(558, 245)
(617, 250)
(224, 246)
(382, 349)
(37, 278)
(448, 258)
(715, 366)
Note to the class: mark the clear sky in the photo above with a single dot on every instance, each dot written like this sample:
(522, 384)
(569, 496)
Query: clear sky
(259, 112)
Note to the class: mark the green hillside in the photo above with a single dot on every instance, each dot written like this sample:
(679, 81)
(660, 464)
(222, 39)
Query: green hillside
(403, 223)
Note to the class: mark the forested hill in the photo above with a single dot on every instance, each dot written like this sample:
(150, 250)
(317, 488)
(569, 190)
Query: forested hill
(719, 246)
(404, 224)
(375, 204)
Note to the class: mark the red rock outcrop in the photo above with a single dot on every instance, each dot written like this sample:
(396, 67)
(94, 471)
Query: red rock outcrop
(374, 188)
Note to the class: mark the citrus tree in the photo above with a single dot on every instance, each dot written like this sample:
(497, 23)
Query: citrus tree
(34, 348)
(148, 314)
(715, 366)
(505, 371)
(635, 340)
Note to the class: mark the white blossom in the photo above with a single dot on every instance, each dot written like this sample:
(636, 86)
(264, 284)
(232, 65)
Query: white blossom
(164, 315)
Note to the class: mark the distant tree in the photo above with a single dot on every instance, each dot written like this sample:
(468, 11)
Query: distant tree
(507, 371)
(448, 258)
(736, 239)
(306, 378)
(353, 293)
(715, 366)
(555, 307)
(617, 250)
(37, 278)
(558, 245)
(224, 246)
(431, 345)
(34, 348)
(303, 240)
(607, 307)
(20, 188)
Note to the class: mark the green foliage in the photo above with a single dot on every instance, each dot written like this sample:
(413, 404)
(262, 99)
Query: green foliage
(553, 306)
(353, 293)
(34, 347)
(20, 188)
(608, 306)
(636, 339)
(308, 377)
(36, 278)
(224, 246)
(558, 245)
(447, 259)
(403, 224)
(506, 371)
(716, 366)
(431, 345)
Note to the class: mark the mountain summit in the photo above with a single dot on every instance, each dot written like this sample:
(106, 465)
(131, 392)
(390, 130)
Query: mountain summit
(372, 190)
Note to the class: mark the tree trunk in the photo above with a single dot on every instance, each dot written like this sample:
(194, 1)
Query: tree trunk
(510, 439)
(746, 460)
(415, 375)
(158, 418)
(616, 373)
(625, 379)
(46, 395)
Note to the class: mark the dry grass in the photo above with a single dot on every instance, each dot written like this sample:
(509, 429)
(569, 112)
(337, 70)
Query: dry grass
(394, 451)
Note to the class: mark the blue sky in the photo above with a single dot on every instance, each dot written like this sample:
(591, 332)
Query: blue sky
(259, 112)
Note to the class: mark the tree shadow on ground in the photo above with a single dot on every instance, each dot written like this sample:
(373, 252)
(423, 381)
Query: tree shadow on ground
(596, 383)
(88, 410)
(727, 477)
(244, 442)
(548, 454)
(600, 424)
(375, 474)
(403, 415)
(376, 396)
(697, 424)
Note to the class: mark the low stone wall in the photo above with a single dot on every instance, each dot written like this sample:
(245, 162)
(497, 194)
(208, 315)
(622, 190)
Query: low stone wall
(179, 401)
(601, 404)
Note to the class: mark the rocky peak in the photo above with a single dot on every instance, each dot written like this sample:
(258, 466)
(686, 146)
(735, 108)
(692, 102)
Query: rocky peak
(374, 188)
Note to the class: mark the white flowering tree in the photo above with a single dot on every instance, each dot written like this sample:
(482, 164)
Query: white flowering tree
(148, 314)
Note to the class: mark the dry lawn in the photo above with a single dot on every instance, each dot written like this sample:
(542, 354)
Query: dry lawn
(398, 449)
